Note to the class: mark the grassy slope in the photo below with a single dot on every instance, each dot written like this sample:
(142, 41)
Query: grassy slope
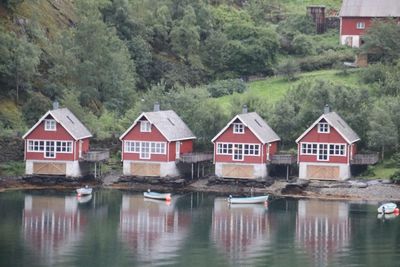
(273, 89)
(298, 6)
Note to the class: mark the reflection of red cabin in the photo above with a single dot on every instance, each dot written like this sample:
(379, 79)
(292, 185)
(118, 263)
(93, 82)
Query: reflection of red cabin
(322, 228)
(153, 229)
(51, 224)
(244, 147)
(356, 16)
(152, 144)
(326, 148)
(240, 230)
(54, 145)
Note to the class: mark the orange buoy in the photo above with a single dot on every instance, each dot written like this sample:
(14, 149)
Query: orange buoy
(168, 198)
(396, 210)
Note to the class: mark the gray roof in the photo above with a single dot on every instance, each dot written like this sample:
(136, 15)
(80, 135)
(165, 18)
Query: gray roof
(169, 124)
(71, 123)
(341, 126)
(260, 128)
(68, 120)
(370, 8)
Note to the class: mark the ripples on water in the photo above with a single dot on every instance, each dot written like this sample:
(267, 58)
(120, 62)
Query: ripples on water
(124, 229)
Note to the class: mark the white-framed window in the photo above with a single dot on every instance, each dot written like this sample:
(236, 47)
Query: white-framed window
(309, 148)
(49, 151)
(224, 148)
(360, 25)
(323, 127)
(145, 126)
(252, 149)
(337, 149)
(237, 152)
(238, 128)
(145, 150)
(64, 147)
(157, 148)
(50, 125)
(132, 146)
(323, 154)
(35, 146)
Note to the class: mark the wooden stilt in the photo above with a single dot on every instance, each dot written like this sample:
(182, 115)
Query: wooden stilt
(198, 170)
(287, 173)
(192, 171)
(95, 170)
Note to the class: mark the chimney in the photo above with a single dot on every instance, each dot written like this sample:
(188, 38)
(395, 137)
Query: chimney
(156, 106)
(326, 109)
(56, 105)
(244, 110)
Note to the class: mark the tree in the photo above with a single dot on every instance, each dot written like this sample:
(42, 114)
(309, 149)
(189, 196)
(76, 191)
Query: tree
(288, 69)
(382, 39)
(18, 62)
(382, 131)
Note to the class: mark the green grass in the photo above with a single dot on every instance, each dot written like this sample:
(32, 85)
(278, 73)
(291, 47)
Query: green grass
(299, 6)
(380, 171)
(273, 89)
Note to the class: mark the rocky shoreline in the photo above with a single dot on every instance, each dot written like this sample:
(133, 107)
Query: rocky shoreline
(373, 190)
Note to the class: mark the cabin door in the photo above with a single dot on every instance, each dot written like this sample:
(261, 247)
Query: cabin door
(178, 150)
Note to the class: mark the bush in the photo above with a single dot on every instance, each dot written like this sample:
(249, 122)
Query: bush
(395, 177)
(324, 61)
(302, 45)
(12, 168)
(226, 87)
(288, 69)
(374, 73)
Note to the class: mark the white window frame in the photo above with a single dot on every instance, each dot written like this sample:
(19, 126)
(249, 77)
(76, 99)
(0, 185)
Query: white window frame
(238, 128)
(323, 127)
(143, 153)
(338, 150)
(360, 25)
(309, 149)
(251, 149)
(224, 148)
(145, 126)
(63, 147)
(134, 146)
(50, 125)
(239, 148)
(36, 146)
(50, 144)
(323, 147)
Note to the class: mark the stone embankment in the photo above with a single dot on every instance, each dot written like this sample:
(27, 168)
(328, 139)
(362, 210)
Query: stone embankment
(373, 190)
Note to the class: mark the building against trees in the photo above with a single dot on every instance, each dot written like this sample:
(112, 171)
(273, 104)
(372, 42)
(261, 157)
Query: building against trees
(356, 17)
(153, 143)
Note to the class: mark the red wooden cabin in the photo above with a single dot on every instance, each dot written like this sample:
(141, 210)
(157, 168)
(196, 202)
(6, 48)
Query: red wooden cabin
(244, 147)
(151, 146)
(55, 145)
(326, 148)
(356, 16)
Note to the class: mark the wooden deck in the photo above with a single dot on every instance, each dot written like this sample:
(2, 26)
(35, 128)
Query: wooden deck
(283, 159)
(195, 157)
(96, 156)
(365, 159)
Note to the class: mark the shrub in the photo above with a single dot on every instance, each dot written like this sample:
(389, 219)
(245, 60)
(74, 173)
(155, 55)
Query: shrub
(374, 73)
(226, 87)
(288, 69)
(302, 45)
(323, 61)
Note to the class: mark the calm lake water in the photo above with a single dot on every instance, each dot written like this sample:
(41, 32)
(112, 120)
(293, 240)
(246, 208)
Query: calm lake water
(113, 228)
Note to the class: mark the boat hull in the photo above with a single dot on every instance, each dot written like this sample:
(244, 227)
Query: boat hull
(247, 200)
(160, 196)
(84, 191)
(387, 208)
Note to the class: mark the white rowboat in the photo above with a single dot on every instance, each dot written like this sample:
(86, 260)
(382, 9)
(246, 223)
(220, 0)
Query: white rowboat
(387, 208)
(84, 191)
(155, 195)
(247, 200)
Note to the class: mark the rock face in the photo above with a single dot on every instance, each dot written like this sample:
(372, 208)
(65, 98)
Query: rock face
(12, 149)
(240, 182)
(171, 182)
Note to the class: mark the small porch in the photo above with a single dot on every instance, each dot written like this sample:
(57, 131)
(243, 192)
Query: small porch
(365, 159)
(198, 160)
(97, 157)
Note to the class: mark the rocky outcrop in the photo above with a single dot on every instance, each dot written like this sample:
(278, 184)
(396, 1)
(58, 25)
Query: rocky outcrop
(12, 149)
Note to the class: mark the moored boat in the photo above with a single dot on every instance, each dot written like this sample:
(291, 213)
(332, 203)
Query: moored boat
(387, 208)
(84, 191)
(247, 200)
(156, 195)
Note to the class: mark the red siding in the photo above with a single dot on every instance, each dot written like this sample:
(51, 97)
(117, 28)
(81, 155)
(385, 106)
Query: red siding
(156, 136)
(247, 138)
(349, 26)
(327, 138)
(40, 134)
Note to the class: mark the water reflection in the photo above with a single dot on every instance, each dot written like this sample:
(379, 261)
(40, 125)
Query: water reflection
(51, 225)
(322, 228)
(240, 231)
(152, 229)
